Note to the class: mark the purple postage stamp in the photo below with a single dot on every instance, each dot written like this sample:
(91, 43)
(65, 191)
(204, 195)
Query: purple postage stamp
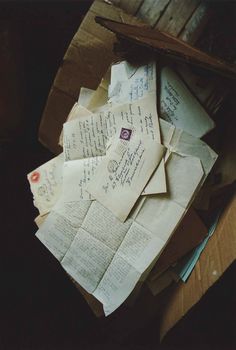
(125, 134)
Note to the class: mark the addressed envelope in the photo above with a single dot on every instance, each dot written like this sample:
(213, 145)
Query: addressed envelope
(87, 135)
(76, 176)
(46, 184)
(122, 175)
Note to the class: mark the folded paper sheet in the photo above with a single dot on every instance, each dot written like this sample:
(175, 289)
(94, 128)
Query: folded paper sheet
(60, 227)
(77, 111)
(87, 136)
(107, 257)
(130, 83)
(46, 183)
(179, 107)
(122, 175)
(122, 252)
(85, 96)
(76, 176)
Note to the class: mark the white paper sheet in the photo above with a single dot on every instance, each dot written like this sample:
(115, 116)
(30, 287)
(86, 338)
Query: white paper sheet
(76, 176)
(179, 107)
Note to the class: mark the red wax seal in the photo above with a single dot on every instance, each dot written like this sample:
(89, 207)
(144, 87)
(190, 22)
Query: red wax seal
(34, 177)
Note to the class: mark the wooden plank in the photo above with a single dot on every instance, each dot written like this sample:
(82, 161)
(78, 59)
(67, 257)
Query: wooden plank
(130, 6)
(200, 86)
(151, 10)
(176, 15)
(194, 27)
(161, 43)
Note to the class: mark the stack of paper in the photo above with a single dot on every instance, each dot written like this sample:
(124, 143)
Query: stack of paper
(124, 181)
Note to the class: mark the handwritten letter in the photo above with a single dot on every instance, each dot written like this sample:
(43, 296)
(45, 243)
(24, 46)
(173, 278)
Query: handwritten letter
(179, 107)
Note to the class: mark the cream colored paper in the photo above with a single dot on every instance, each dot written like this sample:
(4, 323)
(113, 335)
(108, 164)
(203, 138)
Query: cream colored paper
(94, 246)
(179, 141)
(179, 107)
(130, 83)
(124, 172)
(153, 226)
(39, 220)
(141, 243)
(46, 183)
(85, 96)
(60, 227)
(76, 112)
(76, 176)
(100, 96)
(88, 135)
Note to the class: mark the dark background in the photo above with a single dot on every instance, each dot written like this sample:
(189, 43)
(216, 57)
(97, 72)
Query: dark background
(39, 306)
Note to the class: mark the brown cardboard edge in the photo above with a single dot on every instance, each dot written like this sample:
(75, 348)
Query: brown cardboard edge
(76, 71)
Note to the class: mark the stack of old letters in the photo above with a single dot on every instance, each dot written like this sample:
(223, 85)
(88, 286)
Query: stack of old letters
(117, 205)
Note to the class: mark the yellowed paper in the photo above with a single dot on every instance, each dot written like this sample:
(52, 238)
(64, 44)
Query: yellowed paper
(60, 227)
(108, 257)
(39, 220)
(124, 172)
(46, 183)
(90, 135)
(130, 83)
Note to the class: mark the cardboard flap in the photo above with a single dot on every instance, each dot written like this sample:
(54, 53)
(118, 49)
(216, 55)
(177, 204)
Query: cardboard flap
(85, 63)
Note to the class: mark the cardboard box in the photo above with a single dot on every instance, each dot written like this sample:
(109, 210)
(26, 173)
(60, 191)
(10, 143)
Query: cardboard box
(86, 61)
